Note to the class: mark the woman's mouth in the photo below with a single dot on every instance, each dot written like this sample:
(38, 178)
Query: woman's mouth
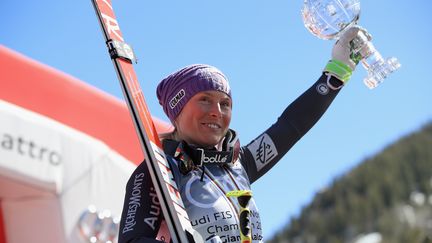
(212, 125)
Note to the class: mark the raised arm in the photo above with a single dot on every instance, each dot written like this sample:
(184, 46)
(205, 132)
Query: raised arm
(300, 116)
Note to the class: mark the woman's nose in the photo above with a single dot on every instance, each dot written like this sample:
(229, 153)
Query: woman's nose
(215, 110)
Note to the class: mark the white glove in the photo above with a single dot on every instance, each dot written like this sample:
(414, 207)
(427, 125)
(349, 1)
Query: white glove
(343, 49)
(344, 56)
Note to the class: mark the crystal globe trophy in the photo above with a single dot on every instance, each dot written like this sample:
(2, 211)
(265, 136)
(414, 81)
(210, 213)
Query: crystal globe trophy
(328, 19)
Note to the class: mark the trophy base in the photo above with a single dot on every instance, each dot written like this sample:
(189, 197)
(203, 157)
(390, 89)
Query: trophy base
(379, 71)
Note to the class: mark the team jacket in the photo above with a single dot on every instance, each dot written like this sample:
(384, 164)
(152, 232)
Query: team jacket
(203, 193)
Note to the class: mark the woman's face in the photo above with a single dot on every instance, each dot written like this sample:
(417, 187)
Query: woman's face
(205, 119)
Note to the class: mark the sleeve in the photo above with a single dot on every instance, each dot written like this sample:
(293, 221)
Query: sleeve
(297, 119)
(141, 215)
(145, 240)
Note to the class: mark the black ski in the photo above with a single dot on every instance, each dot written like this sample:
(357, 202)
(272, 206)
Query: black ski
(176, 218)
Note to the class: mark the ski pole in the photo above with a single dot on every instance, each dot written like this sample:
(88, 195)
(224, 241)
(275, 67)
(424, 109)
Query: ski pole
(243, 197)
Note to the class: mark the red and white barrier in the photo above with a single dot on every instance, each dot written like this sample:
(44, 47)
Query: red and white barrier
(64, 147)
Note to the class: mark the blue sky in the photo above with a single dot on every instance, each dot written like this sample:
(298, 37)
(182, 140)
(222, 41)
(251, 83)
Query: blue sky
(269, 58)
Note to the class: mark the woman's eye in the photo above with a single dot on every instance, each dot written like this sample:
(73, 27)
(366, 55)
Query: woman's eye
(205, 100)
(225, 104)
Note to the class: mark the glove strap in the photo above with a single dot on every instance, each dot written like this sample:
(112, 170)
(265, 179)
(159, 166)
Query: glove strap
(338, 69)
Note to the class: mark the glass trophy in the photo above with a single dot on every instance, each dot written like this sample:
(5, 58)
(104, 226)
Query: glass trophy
(328, 19)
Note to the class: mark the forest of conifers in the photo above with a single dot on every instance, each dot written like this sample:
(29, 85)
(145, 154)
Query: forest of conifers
(388, 195)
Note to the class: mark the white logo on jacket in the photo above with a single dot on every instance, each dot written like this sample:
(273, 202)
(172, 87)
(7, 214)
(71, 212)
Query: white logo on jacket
(322, 88)
(263, 150)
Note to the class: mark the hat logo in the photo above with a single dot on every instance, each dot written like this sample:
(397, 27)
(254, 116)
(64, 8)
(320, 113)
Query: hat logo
(176, 99)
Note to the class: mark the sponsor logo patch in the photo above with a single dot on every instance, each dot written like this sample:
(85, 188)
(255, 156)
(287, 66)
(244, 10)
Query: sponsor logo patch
(134, 204)
(263, 150)
(322, 88)
(176, 99)
(215, 159)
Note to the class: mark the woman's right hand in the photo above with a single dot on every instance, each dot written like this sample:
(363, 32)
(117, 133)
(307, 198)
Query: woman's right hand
(344, 59)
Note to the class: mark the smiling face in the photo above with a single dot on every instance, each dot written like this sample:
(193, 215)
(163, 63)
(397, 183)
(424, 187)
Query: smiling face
(205, 119)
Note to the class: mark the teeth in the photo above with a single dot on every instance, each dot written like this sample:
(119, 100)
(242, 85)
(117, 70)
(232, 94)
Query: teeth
(211, 125)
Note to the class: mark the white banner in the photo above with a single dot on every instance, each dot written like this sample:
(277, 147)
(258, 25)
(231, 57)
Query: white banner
(30, 146)
(54, 165)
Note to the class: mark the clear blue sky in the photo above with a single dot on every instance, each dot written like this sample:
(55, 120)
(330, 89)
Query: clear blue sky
(270, 59)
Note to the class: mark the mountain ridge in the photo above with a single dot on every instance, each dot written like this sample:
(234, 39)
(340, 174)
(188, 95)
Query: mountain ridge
(388, 194)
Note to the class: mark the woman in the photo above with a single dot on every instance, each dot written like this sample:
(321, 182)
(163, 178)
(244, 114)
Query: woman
(206, 157)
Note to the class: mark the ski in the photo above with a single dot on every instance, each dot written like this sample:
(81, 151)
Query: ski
(176, 218)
